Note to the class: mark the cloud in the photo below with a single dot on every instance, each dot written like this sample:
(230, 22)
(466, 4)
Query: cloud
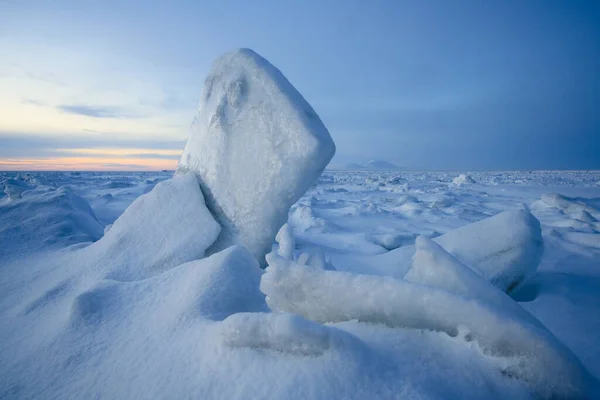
(32, 102)
(49, 77)
(97, 111)
(142, 153)
(19, 145)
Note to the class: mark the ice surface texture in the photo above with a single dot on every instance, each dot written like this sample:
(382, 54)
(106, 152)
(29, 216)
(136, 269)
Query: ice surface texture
(256, 146)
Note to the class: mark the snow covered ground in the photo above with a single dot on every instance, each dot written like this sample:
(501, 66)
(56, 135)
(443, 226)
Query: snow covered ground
(140, 314)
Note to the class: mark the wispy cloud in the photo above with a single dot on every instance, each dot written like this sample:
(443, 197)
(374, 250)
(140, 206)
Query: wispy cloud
(22, 146)
(97, 111)
(49, 77)
(85, 164)
(32, 102)
(168, 154)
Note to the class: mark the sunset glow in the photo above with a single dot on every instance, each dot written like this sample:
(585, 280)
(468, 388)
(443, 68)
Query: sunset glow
(87, 164)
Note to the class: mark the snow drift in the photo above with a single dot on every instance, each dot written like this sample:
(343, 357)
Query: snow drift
(166, 227)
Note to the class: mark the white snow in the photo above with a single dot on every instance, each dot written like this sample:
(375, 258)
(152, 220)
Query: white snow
(82, 320)
(159, 230)
(45, 218)
(532, 354)
(433, 266)
(283, 332)
(504, 249)
(256, 146)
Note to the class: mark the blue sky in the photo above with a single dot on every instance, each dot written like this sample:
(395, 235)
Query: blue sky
(426, 84)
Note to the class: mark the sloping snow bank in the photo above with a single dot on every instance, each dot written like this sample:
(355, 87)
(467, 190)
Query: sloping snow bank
(532, 354)
(166, 227)
(151, 338)
(256, 146)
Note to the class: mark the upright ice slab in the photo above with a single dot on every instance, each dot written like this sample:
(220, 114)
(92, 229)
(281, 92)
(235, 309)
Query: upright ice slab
(257, 146)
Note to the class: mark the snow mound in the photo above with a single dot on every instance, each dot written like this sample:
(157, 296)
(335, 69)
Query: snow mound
(166, 227)
(230, 284)
(256, 146)
(463, 179)
(505, 249)
(531, 353)
(284, 333)
(214, 288)
(45, 219)
(584, 216)
(567, 204)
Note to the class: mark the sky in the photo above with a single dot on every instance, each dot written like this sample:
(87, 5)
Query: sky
(435, 84)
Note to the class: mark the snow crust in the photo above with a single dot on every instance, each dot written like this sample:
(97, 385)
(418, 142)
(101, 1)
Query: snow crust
(286, 333)
(256, 146)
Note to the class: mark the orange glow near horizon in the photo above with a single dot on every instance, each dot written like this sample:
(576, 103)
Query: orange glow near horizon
(87, 164)
(116, 152)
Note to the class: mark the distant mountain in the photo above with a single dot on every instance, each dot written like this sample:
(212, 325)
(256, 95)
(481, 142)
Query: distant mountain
(380, 165)
(353, 167)
(373, 165)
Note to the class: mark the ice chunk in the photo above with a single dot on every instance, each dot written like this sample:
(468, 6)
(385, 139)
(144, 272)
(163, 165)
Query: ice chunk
(504, 249)
(463, 179)
(168, 226)
(316, 258)
(257, 146)
(532, 354)
(287, 244)
(14, 188)
(567, 204)
(433, 266)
